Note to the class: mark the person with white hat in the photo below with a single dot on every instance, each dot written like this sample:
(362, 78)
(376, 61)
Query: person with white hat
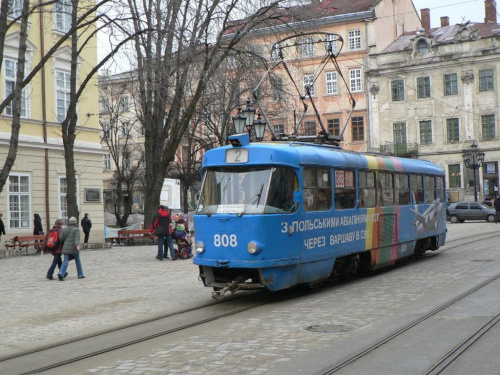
(71, 238)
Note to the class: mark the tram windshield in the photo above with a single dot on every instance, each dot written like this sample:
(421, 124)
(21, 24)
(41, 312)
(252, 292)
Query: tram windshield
(248, 190)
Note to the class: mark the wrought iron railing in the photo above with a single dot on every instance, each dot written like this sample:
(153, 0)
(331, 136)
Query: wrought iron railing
(400, 149)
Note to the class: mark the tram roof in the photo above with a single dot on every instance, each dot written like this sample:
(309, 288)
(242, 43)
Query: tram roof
(293, 154)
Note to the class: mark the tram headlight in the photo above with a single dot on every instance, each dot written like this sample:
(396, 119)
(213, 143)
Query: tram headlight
(200, 247)
(252, 248)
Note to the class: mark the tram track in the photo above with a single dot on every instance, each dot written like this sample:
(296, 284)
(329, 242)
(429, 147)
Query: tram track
(38, 361)
(445, 360)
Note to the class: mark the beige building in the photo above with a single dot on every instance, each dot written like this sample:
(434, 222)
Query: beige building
(434, 92)
(365, 26)
(37, 182)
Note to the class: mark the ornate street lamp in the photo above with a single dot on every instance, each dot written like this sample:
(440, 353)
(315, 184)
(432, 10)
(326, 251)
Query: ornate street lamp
(239, 121)
(259, 126)
(473, 159)
(245, 118)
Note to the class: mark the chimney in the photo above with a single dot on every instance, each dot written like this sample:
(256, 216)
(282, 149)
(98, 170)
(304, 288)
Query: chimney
(445, 21)
(425, 15)
(490, 11)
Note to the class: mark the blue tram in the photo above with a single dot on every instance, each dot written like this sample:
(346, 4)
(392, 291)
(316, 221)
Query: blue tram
(274, 215)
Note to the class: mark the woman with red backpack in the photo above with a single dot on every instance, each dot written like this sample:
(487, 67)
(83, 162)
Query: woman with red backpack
(54, 245)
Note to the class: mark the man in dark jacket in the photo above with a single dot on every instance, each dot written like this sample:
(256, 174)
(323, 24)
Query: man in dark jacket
(2, 227)
(160, 225)
(496, 204)
(86, 225)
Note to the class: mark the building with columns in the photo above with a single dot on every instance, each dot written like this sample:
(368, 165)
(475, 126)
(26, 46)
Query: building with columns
(434, 92)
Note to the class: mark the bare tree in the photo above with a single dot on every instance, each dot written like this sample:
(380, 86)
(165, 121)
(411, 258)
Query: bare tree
(121, 133)
(185, 43)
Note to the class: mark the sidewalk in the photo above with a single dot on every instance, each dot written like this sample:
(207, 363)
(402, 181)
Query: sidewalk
(122, 285)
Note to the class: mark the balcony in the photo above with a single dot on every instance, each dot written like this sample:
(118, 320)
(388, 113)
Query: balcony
(405, 150)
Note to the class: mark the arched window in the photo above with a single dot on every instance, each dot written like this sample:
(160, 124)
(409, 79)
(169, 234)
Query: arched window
(422, 47)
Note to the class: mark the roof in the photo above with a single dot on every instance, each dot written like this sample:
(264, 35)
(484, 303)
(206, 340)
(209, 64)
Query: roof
(446, 35)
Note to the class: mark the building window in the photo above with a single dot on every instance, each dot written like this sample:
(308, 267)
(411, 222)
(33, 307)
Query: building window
(354, 37)
(486, 80)
(105, 130)
(423, 87)
(279, 129)
(488, 126)
(124, 103)
(125, 128)
(451, 84)
(454, 178)
(425, 132)
(19, 201)
(331, 40)
(355, 80)
(62, 15)
(277, 89)
(307, 47)
(275, 53)
(398, 90)
(422, 47)
(310, 128)
(399, 129)
(107, 162)
(331, 83)
(358, 128)
(308, 81)
(334, 126)
(63, 96)
(452, 129)
(15, 8)
(10, 73)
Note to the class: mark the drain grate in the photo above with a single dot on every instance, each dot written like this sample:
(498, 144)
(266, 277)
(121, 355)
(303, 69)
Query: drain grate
(329, 328)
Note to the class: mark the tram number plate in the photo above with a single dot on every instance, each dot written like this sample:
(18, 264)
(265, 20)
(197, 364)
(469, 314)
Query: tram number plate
(237, 155)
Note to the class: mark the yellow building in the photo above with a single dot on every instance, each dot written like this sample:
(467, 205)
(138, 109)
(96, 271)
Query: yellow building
(37, 181)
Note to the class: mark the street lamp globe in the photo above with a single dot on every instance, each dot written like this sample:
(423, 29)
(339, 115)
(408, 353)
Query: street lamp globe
(239, 121)
(249, 112)
(260, 127)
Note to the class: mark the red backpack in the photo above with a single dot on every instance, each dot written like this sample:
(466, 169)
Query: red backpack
(53, 240)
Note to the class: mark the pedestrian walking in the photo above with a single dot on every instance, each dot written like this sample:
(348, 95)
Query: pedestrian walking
(53, 244)
(37, 229)
(70, 236)
(86, 225)
(161, 226)
(2, 227)
(496, 204)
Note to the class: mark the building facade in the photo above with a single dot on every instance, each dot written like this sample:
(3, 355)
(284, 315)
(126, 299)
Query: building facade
(365, 26)
(37, 182)
(434, 93)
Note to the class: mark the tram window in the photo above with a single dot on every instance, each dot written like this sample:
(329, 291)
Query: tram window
(430, 189)
(367, 190)
(440, 188)
(402, 189)
(417, 189)
(386, 184)
(317, 189)
(280, 196)
(345, 190)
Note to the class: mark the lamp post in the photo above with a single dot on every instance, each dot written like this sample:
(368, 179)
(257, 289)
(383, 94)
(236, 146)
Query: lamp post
(245, 119)
(473, 159)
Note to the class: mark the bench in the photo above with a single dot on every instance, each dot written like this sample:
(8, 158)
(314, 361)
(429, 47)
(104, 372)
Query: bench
(133, 236)
(23, 243)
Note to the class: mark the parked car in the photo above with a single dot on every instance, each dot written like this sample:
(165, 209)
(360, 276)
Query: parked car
(461, 211)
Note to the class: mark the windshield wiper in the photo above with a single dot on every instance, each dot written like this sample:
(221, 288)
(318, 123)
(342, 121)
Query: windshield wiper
(252, 201)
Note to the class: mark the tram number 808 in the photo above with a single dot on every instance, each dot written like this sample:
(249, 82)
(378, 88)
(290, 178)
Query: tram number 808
(225, 240)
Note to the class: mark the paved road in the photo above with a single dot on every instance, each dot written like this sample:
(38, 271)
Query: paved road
(126, 284)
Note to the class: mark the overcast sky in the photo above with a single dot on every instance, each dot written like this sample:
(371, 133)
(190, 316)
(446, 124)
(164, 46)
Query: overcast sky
(457, 10)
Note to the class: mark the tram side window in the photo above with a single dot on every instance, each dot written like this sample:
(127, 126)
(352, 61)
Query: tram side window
(367, 190)
(280, 196)
(440, 188)
(417, 189)
(386, 184)
(430, 189)
(317, 189)
(402, 189)
(345, 189)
